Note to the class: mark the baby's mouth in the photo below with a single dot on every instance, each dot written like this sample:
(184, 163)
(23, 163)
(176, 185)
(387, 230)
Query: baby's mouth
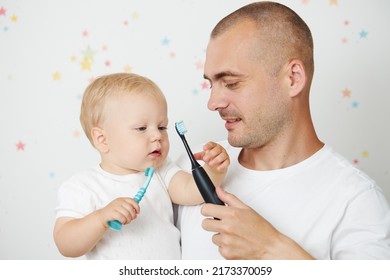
(155, 153)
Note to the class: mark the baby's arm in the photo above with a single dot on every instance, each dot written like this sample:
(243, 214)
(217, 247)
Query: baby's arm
(182, 188)
(76, 237)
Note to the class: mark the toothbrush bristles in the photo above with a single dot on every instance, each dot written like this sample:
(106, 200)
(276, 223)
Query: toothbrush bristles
(149, 171)
(180, 127)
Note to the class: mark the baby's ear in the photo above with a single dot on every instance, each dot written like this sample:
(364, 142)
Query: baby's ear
(99, 139)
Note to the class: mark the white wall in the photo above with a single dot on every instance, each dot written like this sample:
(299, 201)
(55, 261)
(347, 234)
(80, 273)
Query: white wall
(164, 40)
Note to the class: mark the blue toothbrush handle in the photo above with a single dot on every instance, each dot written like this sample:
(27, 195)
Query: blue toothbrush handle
(115, 225)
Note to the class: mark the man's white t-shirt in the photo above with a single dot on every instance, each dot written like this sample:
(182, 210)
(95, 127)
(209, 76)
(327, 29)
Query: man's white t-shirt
(152, 235)
(325, 204)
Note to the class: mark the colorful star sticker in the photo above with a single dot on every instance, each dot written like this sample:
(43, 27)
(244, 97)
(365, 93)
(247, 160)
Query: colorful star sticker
(205, 85)
(89, 54)
(76, 133)
(85, 33)
(346, 92)
(14, 18)
(127, 69)
(333, 2)
(134, 15)
(355, 104)
(20, 146)
(363, 34)
(199, 64)
(85, 64)
(2, 11)
(365, 154)
(165, 41)
(56, 76)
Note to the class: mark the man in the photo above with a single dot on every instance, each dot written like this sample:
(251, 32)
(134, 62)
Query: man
(288, 195)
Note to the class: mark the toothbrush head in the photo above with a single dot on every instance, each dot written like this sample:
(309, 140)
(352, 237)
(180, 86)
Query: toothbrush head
(149, 171)
(180, 128)
(141, 192)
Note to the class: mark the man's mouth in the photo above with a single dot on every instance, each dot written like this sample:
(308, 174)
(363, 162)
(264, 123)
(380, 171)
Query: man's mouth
(231, 122)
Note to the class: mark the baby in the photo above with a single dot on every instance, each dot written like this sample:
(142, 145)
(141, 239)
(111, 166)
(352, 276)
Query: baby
(125, 118)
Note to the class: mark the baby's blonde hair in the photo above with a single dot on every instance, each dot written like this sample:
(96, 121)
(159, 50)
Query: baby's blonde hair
(96, 94)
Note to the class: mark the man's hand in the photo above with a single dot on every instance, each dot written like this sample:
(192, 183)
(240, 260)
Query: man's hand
(241, 233)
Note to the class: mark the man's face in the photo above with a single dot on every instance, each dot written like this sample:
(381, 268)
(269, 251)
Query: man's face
(250, 100)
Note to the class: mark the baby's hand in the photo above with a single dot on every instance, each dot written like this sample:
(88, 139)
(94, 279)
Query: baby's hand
(215, 156)
(123, 209)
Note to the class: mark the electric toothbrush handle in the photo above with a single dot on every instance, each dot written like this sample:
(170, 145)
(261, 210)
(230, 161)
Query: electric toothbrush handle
(205, 186)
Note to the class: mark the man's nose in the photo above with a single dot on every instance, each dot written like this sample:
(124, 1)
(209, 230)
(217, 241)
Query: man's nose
(217, 101)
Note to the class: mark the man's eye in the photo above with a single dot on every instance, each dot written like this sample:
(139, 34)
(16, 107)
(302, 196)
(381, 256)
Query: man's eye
(231, 85)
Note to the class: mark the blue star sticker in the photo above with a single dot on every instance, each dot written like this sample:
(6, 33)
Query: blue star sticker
(165, 41)
(363, 34)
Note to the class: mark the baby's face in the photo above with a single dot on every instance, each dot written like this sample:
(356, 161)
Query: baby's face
(135, 126)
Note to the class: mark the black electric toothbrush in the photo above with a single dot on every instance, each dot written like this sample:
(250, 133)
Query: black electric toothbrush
(202, 180)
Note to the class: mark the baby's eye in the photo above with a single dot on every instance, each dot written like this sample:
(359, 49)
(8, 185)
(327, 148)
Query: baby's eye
(162, 128)
(141, 128)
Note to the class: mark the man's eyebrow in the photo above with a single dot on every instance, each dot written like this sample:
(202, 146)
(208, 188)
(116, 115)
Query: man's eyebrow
(221, 75)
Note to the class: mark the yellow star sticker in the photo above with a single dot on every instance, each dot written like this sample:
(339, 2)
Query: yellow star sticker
(85, 64)
(365, 154)
(56, 76)
(14, 18)
(333, 2)
(127, 69)
(135, 15)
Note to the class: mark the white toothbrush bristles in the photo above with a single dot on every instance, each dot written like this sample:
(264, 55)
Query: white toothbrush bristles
(181, 129)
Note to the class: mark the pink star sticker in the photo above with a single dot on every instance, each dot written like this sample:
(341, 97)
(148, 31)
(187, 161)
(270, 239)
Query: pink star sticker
(205, 85)
(2, 11)
(20, 146)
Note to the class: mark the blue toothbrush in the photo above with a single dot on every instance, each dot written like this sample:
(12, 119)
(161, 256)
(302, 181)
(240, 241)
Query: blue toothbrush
(116, 225)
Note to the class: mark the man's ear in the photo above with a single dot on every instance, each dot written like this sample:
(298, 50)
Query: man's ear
(99, 139)
(297, 77)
